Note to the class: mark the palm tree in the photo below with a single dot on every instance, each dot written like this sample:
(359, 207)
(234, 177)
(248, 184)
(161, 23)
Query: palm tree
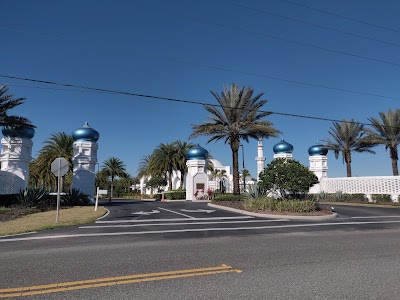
(113, 167)
(144, 166)
(163, 162)
(386, 132)
(180, 157)
(347, 136)
(238, 118)
(7, 102)
(58, 145)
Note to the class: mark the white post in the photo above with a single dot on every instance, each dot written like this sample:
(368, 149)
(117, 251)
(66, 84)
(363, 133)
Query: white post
(97, 200)
(58, 190)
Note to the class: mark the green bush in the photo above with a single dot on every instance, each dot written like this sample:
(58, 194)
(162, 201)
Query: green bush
(280, 205)
(74, 198)
(381, 198)
(287, 178)
(32, 197)
(227, 197)
(175, 195)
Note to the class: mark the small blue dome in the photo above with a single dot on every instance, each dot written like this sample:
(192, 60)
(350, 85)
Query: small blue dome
(317, 150)
(283, 147)
(86, 133)
(197, 153)
(19, 132)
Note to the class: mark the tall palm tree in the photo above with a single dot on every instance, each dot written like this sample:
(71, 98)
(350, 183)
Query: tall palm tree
(386, 132)
(163, 162)
(180, 157)
(58, 145)
(347, 137)
(113, 167)
(238, 118)
(144, 166)
(7, 102)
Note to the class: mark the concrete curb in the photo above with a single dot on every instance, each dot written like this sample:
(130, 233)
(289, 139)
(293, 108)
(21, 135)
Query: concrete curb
(106, 214)
(289, 217)
(359, 204)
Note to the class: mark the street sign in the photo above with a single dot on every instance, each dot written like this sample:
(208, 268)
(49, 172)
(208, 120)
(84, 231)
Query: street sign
(103, 192)
(59, 166)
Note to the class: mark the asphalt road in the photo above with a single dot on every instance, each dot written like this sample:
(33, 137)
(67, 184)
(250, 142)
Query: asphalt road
(353, 257)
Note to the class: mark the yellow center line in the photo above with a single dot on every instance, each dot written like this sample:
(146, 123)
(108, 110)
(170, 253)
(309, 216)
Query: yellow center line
(101, 282)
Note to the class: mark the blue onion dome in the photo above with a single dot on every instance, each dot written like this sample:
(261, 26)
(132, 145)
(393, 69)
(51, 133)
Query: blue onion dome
(317, 149)
(18, 132)
(85, 134)
(197, 153)
(283, 147)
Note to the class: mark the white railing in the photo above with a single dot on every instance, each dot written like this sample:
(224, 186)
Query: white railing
(7, 181)
(389, 185)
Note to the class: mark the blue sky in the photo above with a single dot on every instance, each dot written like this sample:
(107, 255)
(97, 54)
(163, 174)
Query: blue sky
(177, 49)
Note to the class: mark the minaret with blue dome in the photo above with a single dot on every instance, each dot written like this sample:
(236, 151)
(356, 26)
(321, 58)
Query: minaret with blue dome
(85, 159)
(16, 154)
(196, 177)
(283, 150)
(318, 164)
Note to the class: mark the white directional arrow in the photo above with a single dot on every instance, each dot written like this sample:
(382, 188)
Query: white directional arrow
(198, 210)
(146, 213)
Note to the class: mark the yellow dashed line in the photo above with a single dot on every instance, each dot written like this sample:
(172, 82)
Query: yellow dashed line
(110, 281)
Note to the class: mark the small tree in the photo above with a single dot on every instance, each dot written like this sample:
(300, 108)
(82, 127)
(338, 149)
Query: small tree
(287, 178)
(156, 183)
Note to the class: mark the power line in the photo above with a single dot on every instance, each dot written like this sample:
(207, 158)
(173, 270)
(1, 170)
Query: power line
(219, 68)
(283, 79)
(341, 16)
(168, 98)
(313, 24)
(293, 42)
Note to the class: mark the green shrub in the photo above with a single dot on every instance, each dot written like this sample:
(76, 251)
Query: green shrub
(227, 197)
(280, 205)
(74, 198)
(381, 198)
(287, 178)
(175, 195)
(31, 197)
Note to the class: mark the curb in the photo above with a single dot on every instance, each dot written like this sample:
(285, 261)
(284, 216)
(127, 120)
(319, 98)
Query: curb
(289, 217)
(360, 204)
(106, 214)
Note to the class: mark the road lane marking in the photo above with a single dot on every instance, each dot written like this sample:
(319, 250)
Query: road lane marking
(178, 213)
(146, 213)
(189, 223)
(177, 219)
(112, 281)
(198, 210)
(192, 230)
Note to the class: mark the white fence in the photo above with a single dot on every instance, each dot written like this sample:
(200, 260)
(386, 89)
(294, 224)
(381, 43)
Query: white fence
(389, 185)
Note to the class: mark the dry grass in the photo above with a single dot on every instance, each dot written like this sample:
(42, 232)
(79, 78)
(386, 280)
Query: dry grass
(47, 220)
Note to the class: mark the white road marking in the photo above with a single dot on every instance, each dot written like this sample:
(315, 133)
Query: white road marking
(178, 213)
(198, 210)
(192, 223)
(190, 230)
(177, 219)
(375, 217)
(146, 213)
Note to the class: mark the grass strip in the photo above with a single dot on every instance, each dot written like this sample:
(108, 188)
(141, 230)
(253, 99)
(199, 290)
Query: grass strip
(47, 220)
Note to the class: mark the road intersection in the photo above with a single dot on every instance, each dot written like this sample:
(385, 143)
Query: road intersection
(155, 250)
